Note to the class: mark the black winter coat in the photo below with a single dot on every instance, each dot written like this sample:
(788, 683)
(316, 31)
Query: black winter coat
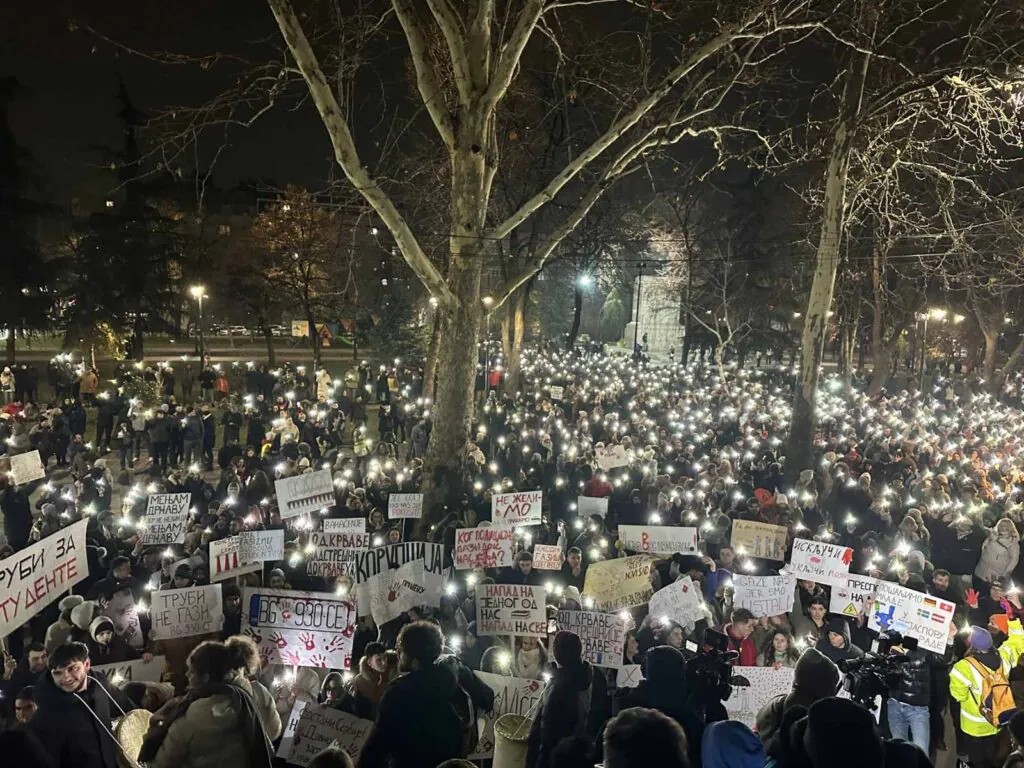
(564, 712)
(916, 678)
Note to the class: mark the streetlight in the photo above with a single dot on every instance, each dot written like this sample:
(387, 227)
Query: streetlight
(585, 280)
(199, 293)
(488, 302)
(636, 318)
(934, 313)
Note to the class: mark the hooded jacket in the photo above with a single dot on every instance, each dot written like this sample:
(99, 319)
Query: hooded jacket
(418, 725)
(563, 712)
(115, 652)
(815, 678)
(69, 732)
(730, 744)
(835, 655)
(999, 553)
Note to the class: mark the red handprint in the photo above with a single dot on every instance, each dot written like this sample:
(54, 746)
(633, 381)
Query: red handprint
(847, 556)
(290, 657)
(971, 596)
(265, 655)
(335, 644)
(279, 640)
(308, 641)
(318, 660)
(254, 634)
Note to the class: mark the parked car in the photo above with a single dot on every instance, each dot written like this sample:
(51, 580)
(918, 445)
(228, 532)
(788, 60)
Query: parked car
(238, 330)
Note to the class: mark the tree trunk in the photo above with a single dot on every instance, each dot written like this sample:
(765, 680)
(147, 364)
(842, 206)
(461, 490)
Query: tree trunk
(433, 351)
(269, 338)
(513, 333)
(988, 370)
(138, 346)
(314, 340)
(882, 367)
(12, 345)
(577, 312)
(812, 343)
(1013, 362)
(846, 336)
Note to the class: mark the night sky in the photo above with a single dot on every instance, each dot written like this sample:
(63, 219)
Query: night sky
(68, 116)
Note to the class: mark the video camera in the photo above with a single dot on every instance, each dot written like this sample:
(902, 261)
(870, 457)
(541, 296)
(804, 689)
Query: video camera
(709, 669)
(878, 672)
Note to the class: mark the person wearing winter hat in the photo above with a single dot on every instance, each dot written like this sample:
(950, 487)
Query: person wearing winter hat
(105, 647)
(81, 617)
(814, 678)
(565, 705)
(731, 744)
(571, 600)
(985, 744)
(836, 643)
(1016, 728)
(58, 632)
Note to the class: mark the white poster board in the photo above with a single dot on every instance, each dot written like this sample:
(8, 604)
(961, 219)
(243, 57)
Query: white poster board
(611, 457)
(855, 597)
(166, 518)
(185, 612)
(765, 684)
(624, 582)
(603, 635)
(547, 557)
(820, 562)
(309, 492)
(226, 561)
(912, 614)
(658, 539)
(305, 629)
(512, 696)
(405, 505)
(320, 727)
(258, 546)
(34, 577)
(589, 505)
(679, 602)
(398, 577)
(26, 467)
(511, 609)
(520, 508)
(756, 539)
(284, 749)
(764, 595)
(350, 525)
(484, 547)
(334, 553)
(133, 671)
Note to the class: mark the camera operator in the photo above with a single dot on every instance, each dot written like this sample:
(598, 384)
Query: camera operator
(909, 699)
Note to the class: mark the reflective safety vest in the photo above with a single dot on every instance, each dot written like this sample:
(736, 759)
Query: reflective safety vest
(965, 685)
(1011, 650)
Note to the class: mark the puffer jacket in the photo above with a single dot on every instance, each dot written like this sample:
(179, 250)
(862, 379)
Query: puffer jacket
(999, 556)
(915, 684)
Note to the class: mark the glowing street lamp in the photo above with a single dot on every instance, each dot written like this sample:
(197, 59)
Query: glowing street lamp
(199, 293)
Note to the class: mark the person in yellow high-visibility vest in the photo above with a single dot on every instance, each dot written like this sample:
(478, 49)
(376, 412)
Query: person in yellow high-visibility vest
(984, 744)
(1012, 648)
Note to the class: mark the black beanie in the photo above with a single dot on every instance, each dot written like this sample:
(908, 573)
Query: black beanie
(840, 733)
(815, 676)
(568, 648)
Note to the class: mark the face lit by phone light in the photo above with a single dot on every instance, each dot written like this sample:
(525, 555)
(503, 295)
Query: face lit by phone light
(72, 677)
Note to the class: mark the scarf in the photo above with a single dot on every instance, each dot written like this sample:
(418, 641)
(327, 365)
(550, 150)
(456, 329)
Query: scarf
(261, 753)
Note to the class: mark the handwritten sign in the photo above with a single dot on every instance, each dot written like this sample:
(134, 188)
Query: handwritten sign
(620, 583)
(257, 546)
(34, 577)
(820, 562)
(26, 467)
(765, 684)
(611, 457)
(756, 539)
(557, 393)
(333, 553)
(134, 671)
(398, 577)
(547, 557)
(912, 614)
(629, 676)
(307, 629)
(284, 749)
(679, 602)
(226, 560)
(350, 525)
(309, 492)
(511, 609)
(166, 518)
(186, 612)
(512, 696)
(603, 635)
(658, 539)
(522, 508)
(588, 505)
(405, 505)
(764, 595)
(484, 547)
(320, 727)
(854, 597)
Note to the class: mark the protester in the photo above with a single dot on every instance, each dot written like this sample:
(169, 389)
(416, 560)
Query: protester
(565, 707)
(639, 738)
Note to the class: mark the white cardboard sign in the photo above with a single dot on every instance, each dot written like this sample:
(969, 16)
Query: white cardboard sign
(511, 609)
(519, 508)
(764, 595)
(679, 602)
(611, 457)
(226, 560)
(305, 629)
(186, 612)
(484, 547)
(820, 562)
(166, 518)
(658, 539)
(512, 695)
(257, 546)
(309, 492)
(855, 597)
(321, 726)
(547, 557)
(912, 614)
(603, 635)
(589, 505)
(26, 467)
(405, 505)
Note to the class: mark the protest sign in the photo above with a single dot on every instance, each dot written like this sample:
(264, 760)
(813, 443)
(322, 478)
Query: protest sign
(309, 492)
(547, 557)
(522, 508)
(34, 577)
(284, 749)
(511, 609)
(764, 595)
(679, 602)
(388, 558)
(658, 539)
(26, 467)
(392, 593)
(121, 609)
(765, 684)
(166, 518)
(257, 546)
(350, 525)
(820, 562)
(854, 597)
(403, 505)
(134, 671)
(320, 727)
(226, 561)
(333, 554)
(912, 614)
(512, 696)
(346, 538)
(557, 393)
(629, 676)
(610, 457)
(398, 577)
(588, 505)
(307, 629)
(620, 583)
(603, 635)
(185, 612)
(484, 547)
(756, 539)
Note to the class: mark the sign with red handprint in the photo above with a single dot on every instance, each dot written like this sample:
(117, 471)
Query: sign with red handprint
(307, 629)
(820, 562)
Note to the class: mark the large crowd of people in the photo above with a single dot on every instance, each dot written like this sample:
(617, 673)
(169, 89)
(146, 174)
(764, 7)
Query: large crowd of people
(923, 488)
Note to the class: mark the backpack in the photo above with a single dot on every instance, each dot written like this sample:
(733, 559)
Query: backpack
(996, 704)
